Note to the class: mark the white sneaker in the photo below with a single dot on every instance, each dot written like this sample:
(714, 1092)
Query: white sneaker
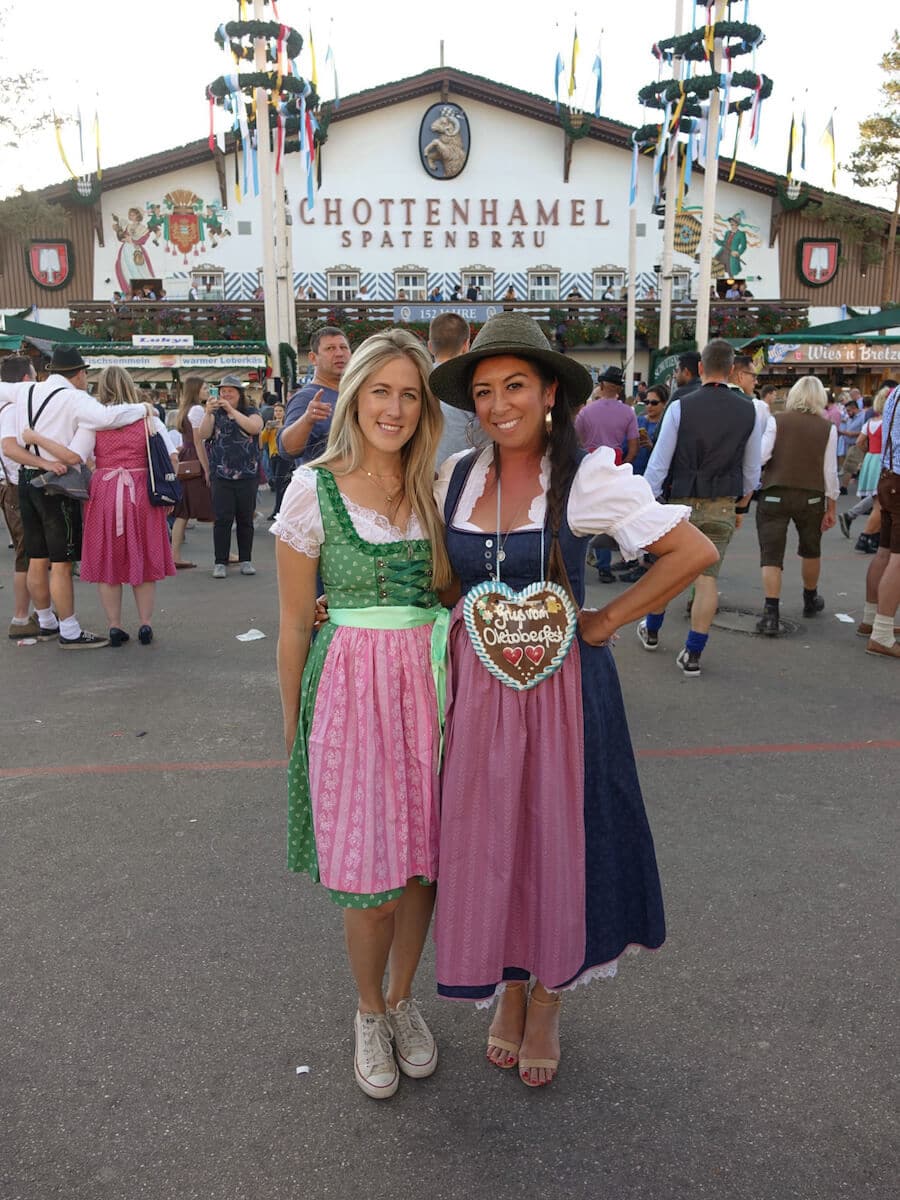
(650, 641)
(415, 1047)
(373, 1063)
(248, 568)
(219, 571)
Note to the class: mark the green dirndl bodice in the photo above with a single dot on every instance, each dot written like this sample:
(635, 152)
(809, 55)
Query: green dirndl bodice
(356, 575)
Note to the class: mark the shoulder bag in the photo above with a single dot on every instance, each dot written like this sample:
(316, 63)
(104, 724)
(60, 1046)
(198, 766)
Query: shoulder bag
(163, 488)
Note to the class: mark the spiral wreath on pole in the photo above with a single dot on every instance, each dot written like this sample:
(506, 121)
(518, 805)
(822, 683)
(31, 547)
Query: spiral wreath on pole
(683, 100)
(233, 33)
(293, 107)
(700, 87)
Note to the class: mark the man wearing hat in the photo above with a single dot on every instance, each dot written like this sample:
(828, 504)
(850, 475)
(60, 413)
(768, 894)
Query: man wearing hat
(56, 409)
(608, 420)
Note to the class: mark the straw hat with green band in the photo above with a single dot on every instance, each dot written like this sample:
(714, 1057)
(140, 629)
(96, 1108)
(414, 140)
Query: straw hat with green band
(520, 336)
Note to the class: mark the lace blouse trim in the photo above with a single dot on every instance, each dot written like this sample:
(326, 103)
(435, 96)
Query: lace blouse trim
(300, 521)
(369, 523)
(302, 543)
(474, 489)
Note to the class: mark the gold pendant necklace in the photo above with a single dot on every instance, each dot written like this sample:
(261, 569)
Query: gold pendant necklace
(391, 496)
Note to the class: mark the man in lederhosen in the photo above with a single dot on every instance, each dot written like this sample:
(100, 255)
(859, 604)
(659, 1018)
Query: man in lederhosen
(56, 408)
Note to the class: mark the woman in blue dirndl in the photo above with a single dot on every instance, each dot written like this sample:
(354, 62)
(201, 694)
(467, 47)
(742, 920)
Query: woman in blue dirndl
(547, 867)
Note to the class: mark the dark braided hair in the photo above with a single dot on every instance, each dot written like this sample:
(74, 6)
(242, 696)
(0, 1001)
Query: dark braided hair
(563, 451)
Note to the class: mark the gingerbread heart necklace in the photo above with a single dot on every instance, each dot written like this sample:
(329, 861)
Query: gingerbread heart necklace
(521, 638)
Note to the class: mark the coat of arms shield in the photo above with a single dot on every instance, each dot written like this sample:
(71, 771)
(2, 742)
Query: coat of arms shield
(817, 260)
(50, 264)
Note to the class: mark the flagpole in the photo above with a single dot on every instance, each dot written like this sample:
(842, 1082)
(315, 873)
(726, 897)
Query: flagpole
(631, 301)
(271, 297)
(710, 178)
(287, 310)
(287, 328)
(665, 293)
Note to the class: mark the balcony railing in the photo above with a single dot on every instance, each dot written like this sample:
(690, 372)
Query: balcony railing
(572, 323)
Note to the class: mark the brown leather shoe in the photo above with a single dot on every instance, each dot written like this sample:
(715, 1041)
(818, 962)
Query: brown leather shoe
(888, 651)
(30, 629)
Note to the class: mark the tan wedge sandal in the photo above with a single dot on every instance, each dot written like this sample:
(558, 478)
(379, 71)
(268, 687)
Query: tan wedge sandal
(511, 1048)
(533, 1064)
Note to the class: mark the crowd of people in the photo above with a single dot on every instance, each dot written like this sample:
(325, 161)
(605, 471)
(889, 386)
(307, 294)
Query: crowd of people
(48, 430)
(793, 466)
(420, 491)
(226, 444)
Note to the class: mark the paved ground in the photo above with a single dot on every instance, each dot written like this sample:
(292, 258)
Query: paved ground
(163, 977)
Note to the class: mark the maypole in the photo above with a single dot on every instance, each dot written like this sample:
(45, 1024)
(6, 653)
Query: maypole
(695, 109)
(708, 220)
(665, 288)
(272, 110)
(269, 188)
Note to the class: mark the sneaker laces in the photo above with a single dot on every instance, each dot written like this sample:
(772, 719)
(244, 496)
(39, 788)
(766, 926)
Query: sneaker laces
(409, 1026)
(375, 1044)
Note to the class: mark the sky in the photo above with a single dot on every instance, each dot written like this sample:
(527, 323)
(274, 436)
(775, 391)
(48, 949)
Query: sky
(145, 69)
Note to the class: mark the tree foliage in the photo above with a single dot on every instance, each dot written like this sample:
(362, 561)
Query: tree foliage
(27, 214)
(22, 114)
(876, 160)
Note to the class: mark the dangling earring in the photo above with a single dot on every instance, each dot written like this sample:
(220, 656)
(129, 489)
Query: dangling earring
(548, 420)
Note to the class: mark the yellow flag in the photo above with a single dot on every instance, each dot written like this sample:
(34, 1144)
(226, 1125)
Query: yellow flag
(574, 57)
(314, 74)
(62, 153)
(828, 140)
(97, 143)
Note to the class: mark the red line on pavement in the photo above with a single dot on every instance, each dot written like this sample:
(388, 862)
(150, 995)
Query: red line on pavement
(268, 764)
(767, 748)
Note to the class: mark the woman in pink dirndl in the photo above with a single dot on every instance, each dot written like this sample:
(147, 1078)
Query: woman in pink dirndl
(126, 538)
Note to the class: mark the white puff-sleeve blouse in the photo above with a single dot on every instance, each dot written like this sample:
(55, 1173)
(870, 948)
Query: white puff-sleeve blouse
(604, 498)
(299, 521)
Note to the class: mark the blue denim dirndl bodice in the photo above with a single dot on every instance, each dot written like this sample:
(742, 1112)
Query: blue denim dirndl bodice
(473, 555)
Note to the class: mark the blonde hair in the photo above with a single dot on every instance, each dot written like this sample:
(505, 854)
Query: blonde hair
(346, 444)
(190, 395)
(880, 400)
(115, 386)
(807, 395)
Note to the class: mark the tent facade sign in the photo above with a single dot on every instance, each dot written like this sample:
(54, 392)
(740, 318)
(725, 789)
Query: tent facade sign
(163, 340)
(174, 362)
(816, 353)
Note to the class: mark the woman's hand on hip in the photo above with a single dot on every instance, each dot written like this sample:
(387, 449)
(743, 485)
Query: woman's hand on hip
(321, 617)
(595, 626)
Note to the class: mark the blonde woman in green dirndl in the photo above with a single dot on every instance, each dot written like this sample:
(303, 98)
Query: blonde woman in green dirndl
(361, 702)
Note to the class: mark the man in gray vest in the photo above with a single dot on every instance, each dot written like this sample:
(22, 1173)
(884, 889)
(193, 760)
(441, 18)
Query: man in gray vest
(707, 455)
(799, 484)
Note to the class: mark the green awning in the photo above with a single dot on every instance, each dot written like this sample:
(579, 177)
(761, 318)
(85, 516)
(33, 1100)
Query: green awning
(888, 318)
(95, 346)
(807, 336)
(34, 329)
